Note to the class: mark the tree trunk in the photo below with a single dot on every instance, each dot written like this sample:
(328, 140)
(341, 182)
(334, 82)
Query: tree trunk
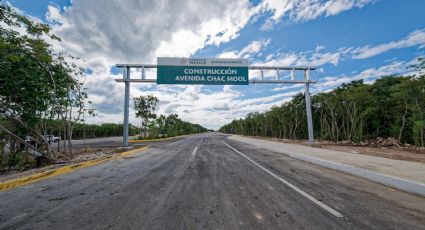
(422, 126)
(20, 140)
(49, 149)
(69, 131)
(403, 122)
(144, 127)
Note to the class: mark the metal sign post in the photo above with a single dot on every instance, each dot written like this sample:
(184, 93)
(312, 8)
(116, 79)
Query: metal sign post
(210, 71)
(308, 106)
(126, 78)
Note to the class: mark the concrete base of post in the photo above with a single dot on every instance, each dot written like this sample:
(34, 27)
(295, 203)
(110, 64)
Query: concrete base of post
(313, 144)
(123, 149)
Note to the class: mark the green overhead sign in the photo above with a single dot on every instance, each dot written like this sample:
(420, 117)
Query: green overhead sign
(202, 71)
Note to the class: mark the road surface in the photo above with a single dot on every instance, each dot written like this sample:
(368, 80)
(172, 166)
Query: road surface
(208, 182)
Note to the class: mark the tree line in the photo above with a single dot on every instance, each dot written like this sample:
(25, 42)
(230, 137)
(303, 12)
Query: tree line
(154, 126)
(391, 107)
(81, 130)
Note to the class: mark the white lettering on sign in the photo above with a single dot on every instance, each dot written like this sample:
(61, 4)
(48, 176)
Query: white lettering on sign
(190, 78)
(216, 78)
(228, 71)
(235, 78)
(210, 78)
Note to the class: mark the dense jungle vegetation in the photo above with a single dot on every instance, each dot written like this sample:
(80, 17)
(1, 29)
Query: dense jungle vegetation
(391, 107)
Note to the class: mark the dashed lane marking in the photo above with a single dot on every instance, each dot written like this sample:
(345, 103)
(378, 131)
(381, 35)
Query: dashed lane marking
(194, 151)
(173, 143)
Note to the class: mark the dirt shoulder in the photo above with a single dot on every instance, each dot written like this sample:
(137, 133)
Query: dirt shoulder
(403, 153)
(391, 153)
(79, 156)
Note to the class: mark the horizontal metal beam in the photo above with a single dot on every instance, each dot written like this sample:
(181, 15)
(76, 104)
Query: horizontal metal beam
(250, 81)
(252, 67)
(278, 82)
(137, 80)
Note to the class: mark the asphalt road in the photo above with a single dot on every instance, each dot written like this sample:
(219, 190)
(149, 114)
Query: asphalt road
(208, 182)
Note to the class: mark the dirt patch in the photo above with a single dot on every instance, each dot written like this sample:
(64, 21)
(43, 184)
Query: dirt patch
(96, 154)
(398, 153)
(392, 153)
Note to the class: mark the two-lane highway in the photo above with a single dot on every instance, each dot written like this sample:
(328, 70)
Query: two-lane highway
(208, 182)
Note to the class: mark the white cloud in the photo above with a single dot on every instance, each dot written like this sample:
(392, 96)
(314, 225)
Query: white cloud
(416, 38)
(319, 57)
(229, 54)
(105, 33)
(139, 31)
(367, 75)
(195, 104)
(253, 48)
(108, 32)
(287, 87)
(313, 58)
(304, 10)
(53, 15)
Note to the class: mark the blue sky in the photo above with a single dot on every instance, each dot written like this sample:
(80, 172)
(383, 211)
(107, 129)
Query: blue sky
(345, 39)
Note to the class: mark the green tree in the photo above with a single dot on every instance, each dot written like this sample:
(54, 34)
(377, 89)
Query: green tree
(36, 84)
(145, 108)
(391, 107)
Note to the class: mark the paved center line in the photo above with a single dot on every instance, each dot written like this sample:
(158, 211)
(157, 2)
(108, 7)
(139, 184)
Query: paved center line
(194, 151)
(308, 196)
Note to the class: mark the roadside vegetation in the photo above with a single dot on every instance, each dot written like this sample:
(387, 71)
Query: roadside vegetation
(154, 126)
(41, 95)
(81, 130)
(37, 85)
(43, 99)
(391, 108)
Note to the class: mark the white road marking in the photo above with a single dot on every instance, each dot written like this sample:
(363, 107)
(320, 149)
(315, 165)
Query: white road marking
(308, 196)
(194, 151)
(176, 142)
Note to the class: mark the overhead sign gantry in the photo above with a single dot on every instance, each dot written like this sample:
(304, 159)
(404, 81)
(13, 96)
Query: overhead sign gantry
(212, 71)
(202, 71)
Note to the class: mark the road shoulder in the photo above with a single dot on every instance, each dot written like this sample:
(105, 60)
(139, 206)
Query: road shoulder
(21, 181)
(403, 175)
